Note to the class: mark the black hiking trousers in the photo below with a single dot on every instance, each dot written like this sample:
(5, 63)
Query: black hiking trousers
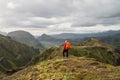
(65, 53)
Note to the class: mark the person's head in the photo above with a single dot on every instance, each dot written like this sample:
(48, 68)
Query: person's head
(65, 41)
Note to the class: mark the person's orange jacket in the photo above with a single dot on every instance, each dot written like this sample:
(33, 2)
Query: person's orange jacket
(67, 46)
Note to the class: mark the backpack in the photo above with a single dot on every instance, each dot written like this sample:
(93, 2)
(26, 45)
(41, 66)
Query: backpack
(68, 46)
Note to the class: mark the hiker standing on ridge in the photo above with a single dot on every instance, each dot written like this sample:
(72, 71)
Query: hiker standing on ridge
(67, 46)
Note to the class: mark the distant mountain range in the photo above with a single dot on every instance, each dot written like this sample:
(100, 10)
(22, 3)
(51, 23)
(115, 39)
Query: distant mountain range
(25, 38)
(110, 39)
(75, 39)
(14, 55)
(55, 40)
(77, 35)
(49, 41)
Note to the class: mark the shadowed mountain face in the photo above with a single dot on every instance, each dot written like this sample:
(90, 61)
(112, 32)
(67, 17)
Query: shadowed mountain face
(14, 55)
(25, 38)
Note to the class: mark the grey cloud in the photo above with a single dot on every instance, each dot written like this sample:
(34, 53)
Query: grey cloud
(89, 22)
(46, 8)
(103, 12)
(79, 13)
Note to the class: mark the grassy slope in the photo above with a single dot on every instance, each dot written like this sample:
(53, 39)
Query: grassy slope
(73, 68)
(85, 66)
(53, 67)
(2, 75)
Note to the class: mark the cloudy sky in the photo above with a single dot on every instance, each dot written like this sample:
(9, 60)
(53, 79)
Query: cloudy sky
(59, 16)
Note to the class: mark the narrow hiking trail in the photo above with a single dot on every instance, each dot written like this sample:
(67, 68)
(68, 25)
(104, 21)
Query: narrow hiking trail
(72, 68)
